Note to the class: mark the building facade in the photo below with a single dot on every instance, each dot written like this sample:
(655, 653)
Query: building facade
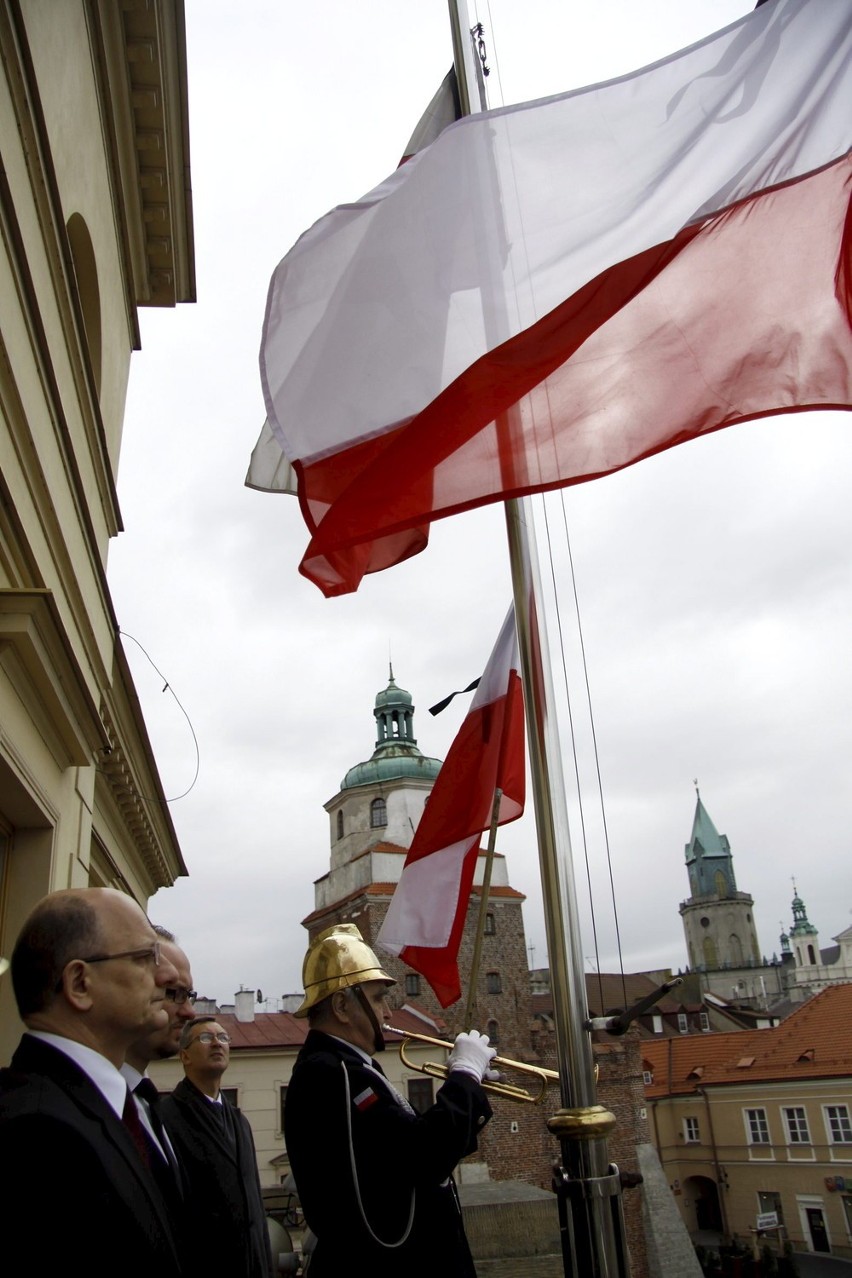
(760, 1122)
(808, 968)
(95, 221)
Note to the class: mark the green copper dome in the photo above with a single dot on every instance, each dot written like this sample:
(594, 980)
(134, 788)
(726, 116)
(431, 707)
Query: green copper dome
(802, 925)
(396, 756)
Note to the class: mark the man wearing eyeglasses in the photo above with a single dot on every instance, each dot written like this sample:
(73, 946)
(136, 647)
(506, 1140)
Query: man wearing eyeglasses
(89, 979)
(216, 1151)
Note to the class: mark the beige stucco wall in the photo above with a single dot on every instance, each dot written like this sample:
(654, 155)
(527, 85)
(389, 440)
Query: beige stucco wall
(72, 742)
(795, 1172)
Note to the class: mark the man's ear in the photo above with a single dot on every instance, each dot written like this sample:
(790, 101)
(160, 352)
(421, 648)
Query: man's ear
(340, 1006)
(76, 985)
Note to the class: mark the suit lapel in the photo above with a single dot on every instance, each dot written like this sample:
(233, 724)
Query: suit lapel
(205, 1114)
(36, 1057)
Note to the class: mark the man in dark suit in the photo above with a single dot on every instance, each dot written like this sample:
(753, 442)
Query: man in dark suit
(374, 1178)
(161, 1044)
(214, 1145)
(76, 1183)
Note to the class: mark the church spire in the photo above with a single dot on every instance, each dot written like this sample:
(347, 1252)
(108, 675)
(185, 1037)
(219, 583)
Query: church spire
(395, 755)
(718, 919)
(708, 856)
(802, 925)
(394, 715)
(803, 934)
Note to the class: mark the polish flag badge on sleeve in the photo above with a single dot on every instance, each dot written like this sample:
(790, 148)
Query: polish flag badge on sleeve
(365, 1099)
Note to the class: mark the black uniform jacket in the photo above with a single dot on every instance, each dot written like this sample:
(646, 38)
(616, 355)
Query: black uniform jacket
(74, 1191)
(223, 1203)
(396, 1153)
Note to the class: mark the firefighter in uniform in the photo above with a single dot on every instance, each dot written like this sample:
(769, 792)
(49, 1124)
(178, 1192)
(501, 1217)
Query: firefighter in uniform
(374, 1177)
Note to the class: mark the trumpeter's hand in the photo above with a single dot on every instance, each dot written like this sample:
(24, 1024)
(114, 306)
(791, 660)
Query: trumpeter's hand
(472, 1054)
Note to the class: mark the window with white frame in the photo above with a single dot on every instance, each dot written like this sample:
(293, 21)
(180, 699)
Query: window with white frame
(846, 1199)
(770, 1200)
(796, 1122)
(757, 1126)
(704, 1021)
(682, 1022)
(691, 1133)
(838, 1124)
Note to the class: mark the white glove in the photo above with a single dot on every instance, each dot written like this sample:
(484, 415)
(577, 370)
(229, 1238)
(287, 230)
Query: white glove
(472, 1055)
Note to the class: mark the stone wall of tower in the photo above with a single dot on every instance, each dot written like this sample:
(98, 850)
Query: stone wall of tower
(404, 803)
(711, 944)
(620, 1089)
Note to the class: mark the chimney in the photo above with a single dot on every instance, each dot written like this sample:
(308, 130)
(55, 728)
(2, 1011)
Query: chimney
(244, 1004)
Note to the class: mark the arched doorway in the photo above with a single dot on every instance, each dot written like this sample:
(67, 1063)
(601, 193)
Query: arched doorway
(703, 1194)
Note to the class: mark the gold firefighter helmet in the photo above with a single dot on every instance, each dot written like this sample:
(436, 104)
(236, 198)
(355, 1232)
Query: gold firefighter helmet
(336, 959)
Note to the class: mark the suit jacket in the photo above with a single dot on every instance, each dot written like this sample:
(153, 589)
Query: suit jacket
(223, 1202)
(396, 1153)
(74, 1190)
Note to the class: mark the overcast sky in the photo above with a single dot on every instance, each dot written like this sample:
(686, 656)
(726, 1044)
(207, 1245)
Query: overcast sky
(714, 581)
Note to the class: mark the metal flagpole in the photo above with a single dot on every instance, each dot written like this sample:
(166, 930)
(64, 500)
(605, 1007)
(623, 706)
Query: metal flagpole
(587, 1184)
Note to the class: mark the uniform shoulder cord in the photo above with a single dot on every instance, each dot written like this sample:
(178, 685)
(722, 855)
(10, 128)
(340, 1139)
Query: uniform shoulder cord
(355, 1183)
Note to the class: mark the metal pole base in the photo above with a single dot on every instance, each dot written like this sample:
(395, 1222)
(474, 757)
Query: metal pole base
(580, 1199)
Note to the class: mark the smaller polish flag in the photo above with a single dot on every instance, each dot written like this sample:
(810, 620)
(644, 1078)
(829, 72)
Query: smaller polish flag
(364, 1100)
(426, 916)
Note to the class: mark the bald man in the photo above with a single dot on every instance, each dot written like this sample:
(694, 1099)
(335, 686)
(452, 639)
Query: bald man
(77, 1187)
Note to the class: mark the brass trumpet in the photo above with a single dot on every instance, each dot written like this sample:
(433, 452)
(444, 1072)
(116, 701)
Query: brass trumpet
(507, 1090)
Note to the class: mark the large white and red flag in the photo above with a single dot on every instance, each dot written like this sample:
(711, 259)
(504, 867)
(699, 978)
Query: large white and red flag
(269, 469)
(552, 291)
(426, 916)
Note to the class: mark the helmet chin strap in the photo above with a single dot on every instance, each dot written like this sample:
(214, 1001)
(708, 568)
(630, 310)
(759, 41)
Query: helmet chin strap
(378, 1037)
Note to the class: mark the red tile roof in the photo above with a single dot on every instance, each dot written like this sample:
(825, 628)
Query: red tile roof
(277, 1031)
(815, 1041)
(388, 889)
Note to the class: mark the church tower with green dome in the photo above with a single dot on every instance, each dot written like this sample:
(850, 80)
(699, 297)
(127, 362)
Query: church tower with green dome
(718, 920)
(803, 935)
(372, 820)
(383, 797)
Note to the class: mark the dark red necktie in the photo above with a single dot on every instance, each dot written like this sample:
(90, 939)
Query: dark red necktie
(133, 1123)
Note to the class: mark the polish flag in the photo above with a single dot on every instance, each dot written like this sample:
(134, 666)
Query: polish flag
(426, 916)
(553, 291)
(269, 470)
